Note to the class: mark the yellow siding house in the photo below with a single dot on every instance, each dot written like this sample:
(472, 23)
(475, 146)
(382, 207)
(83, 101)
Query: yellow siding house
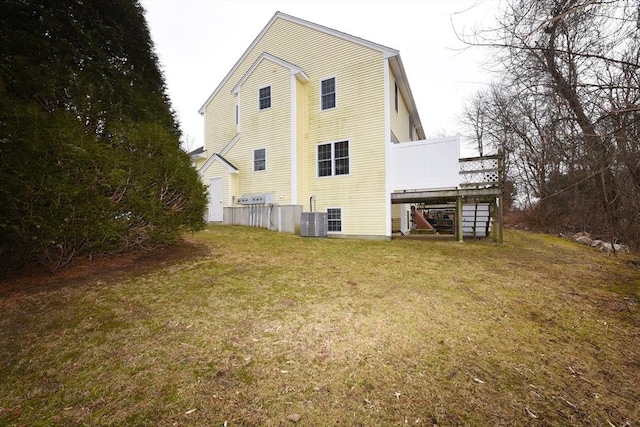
(304, 122)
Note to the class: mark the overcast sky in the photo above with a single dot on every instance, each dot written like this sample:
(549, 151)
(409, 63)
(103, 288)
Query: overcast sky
(198, 41)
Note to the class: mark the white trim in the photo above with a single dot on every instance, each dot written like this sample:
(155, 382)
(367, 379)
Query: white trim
(387, 148)
(335, 83)
(215, 157)
(254, 159)
(326, 210)
(270, 97)
(230, 144)
(333, 158)
(295, 70)
(294, 141)
(400, 74)
(386, 51)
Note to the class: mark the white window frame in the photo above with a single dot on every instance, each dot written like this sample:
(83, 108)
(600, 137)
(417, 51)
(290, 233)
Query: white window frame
(265, 159)
(333, 159)
(270, 98)
(335, 92)
(341, 219)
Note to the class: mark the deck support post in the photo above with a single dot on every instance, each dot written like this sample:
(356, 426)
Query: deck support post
(458, 227)
(500, 198)
(499, 234)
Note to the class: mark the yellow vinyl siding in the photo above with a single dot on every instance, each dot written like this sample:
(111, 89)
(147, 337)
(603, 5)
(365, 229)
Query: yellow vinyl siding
(399, 119)
(359, 117)
(269, 129)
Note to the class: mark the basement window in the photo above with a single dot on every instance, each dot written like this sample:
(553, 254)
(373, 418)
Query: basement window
(334, 220)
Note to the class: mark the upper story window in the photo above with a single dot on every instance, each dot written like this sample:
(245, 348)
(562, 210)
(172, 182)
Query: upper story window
(260, 159)
(265, 97)
(328, 93)
(396, 96)
(333, 159)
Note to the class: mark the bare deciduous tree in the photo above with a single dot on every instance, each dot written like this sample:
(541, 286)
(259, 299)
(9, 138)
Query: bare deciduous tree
(566, 111)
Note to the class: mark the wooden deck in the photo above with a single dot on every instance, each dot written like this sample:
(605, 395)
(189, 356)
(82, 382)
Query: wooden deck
(481, 181)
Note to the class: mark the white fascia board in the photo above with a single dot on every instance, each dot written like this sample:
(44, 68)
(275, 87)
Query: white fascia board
(386, 51)
(295, 70)
(215, 157)
(405, 89)
(294, 142)
(230, 144)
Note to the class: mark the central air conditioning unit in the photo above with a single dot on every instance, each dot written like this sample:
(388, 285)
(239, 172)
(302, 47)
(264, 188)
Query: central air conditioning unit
(313, 224)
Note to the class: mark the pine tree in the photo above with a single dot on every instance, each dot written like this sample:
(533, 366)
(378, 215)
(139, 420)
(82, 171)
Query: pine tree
(90, 160)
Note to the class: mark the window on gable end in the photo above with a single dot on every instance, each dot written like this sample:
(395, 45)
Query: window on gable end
(328, 93)
(265, 97)
(260, 159)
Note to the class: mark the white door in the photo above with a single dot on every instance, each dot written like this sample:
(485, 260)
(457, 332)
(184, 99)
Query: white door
(215, 200)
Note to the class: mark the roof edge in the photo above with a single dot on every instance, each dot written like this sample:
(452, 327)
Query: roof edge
(386, 51)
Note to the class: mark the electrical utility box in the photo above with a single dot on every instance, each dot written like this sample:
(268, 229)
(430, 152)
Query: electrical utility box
(313, 224)
(256, 199)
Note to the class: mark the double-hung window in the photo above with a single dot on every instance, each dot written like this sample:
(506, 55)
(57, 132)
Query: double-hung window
(334, 220)
(260, 159)
(333, 158)
(264, 96)
(328, 93)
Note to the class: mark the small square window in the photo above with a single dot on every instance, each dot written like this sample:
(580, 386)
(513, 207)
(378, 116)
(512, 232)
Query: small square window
(265, 97)
(260, 159)
(328, 93)
(334, 220)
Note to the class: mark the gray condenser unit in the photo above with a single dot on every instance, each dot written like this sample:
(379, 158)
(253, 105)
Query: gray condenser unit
(313, 224)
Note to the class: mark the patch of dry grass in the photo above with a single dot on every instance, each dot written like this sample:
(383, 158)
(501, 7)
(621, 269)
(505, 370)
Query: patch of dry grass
(539, 331)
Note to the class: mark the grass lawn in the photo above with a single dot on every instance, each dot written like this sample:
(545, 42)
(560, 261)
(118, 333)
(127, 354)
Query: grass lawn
(246, 327)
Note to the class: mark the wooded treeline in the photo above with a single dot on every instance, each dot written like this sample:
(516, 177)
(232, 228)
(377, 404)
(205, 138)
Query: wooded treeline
(90, 159)
(566, 111)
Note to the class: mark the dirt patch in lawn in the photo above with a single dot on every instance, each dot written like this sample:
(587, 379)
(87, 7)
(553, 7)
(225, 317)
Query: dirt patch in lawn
(105, 268)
